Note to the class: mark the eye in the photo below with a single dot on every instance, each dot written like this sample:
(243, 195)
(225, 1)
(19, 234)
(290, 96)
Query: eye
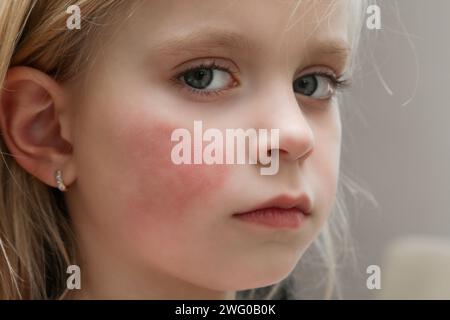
(318, 86)
(207, 79)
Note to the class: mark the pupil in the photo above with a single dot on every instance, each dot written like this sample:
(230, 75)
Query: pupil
(199, 79)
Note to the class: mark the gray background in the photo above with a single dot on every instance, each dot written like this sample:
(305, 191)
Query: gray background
(399, 153)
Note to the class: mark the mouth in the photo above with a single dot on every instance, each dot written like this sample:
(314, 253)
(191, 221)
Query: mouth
(283, 211)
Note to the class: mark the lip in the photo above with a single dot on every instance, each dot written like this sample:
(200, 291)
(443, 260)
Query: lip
(279, 212)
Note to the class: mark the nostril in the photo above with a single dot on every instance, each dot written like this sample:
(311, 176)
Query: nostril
(281, 152)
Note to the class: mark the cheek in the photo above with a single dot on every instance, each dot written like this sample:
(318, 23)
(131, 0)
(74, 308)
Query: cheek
(160, 187)
(325, 161)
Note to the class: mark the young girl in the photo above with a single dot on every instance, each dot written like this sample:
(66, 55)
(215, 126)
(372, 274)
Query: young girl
(87, 117)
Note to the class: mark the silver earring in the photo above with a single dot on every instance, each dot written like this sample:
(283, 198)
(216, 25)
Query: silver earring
(59, 181)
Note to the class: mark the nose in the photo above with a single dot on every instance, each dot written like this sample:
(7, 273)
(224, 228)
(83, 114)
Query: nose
(296, 138)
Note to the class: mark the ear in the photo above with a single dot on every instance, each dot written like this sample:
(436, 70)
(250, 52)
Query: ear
(35, 124)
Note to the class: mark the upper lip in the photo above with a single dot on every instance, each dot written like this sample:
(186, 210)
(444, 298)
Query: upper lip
(285, 201)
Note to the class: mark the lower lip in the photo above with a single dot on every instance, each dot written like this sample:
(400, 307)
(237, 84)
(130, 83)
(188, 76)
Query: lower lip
(274, 217)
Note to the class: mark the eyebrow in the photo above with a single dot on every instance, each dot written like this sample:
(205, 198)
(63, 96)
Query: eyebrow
(201, 42)
(331, 47)
(337, 49)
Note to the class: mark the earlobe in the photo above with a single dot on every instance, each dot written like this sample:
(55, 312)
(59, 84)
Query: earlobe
(32, 118)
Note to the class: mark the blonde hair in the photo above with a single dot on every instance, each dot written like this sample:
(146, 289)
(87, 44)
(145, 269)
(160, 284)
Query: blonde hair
(36, 240)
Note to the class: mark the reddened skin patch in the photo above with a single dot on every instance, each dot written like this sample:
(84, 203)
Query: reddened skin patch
(165, 187)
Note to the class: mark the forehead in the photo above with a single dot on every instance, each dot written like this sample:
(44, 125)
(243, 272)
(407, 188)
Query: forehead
(262, 20)
(307, 30)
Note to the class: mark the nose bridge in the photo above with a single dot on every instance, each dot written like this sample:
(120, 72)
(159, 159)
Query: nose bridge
(281, 110)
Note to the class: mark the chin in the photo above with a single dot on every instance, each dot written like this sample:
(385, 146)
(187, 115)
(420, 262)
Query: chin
(264, 277)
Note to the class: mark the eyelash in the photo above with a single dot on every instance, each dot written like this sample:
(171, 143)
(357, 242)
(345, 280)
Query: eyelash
(338, 83)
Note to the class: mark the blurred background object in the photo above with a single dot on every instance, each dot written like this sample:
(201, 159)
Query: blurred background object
(417, 268)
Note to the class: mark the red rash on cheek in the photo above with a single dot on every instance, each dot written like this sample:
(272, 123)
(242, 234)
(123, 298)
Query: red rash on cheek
(159, 185)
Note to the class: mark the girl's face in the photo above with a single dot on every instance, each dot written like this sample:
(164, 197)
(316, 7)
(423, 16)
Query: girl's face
(143, 221)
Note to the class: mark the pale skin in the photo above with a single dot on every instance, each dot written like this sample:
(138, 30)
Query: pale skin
(145, 227)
